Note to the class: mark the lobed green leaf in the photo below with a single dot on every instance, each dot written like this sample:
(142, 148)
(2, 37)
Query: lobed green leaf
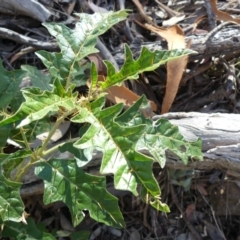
(147, 61)
(27, 231)
(76, 44)
(39, 103)
(65, 181)
(11, 205)
(118, 144)
(9, 88)
(162, 136)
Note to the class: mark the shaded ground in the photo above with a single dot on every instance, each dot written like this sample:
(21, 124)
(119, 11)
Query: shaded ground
(204, 204)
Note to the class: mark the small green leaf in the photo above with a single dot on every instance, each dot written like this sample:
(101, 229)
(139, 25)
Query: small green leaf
(94, 79)
(4, 136)
(162, 136)
(38, 79)
(10, 161)
(11, 205)
(9, 87)
(65, 181)
(27, 231)
(76, 44)
(117, 142)
(81, 235)
(39, 103)
(147, 61)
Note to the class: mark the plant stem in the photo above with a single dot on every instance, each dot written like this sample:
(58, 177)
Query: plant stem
(53, 130)
(53, 149)
(20, 167)
(24, 139)
(22, 170)
(38, 154)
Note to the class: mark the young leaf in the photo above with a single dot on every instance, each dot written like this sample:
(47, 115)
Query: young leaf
(39, 103)
(38, 79)
(9, 88)
(10, 161)
(76, 44)
(11, 205)
(24, 231)
(4, 136)
(162, 136)
(81, 235)
(64, 181)
(118, 146)
(147, 61)
(82, 156)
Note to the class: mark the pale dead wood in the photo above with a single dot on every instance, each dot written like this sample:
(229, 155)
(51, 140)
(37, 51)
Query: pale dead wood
(30, 8)
(224, 41)
(220, 134)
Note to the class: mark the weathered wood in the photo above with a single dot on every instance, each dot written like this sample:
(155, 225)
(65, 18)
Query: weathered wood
(30, 8)
(220, 134)
(225, 41)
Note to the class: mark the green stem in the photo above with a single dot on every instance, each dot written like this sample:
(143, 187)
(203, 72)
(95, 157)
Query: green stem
(20, 166)
(53, 130)
(22, 170)
(55, 148)
(24, 139)
(38, 154)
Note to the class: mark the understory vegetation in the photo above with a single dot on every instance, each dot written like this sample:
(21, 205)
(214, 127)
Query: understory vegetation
(127, 140)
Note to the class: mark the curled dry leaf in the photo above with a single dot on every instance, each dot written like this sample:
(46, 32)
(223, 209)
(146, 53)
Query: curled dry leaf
(223, 16)
(176, 40)
(119, 94)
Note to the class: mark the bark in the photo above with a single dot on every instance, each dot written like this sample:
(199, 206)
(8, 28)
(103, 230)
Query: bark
(30, 8)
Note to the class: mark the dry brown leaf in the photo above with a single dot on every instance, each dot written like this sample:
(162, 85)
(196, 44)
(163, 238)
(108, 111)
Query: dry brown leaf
(175, 69)
(141, 11)
(97, 59)
(223, 16)
(201, 188)
(190, 210)
(175, 39)
(22, 53)
(197, 21)
(121, 94)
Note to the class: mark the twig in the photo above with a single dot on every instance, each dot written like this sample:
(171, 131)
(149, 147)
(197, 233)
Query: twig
(189, 225)
(211, 15)
(168, 10)
(214, 31)
(126, 28)
(106, 54)
(142, 13)
(9, 34)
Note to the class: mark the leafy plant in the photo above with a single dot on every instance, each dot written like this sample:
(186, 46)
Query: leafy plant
(118, 134)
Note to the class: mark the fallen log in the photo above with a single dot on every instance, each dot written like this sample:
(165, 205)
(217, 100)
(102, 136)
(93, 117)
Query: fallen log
(220, 134)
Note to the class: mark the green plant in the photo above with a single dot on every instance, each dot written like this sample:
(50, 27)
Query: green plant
(118, 135)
